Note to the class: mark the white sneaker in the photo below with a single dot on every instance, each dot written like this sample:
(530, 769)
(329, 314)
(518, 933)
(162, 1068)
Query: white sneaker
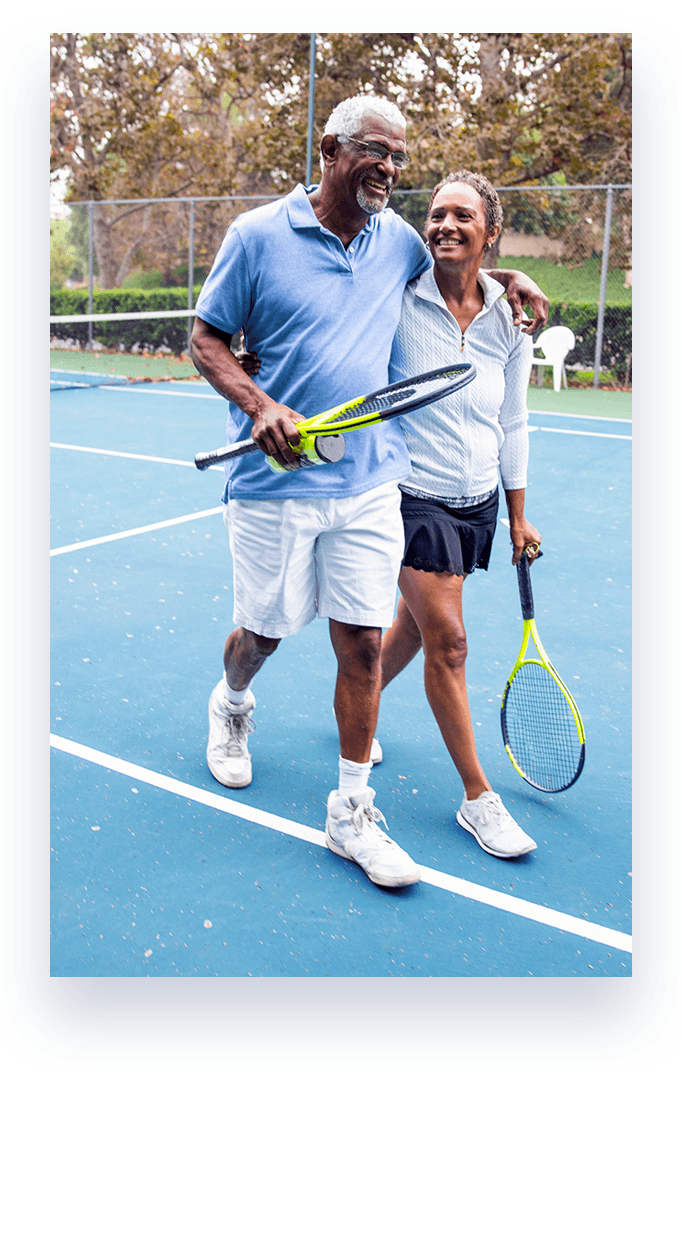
(229, 726)
(352, 832)
(493, 826)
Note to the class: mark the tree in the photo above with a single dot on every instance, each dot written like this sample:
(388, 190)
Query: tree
(63, 256)
(202, 115)
(148, 116)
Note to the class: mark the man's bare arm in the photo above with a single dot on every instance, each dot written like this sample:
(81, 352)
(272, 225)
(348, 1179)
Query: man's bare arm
(522, 290)
(274, 425)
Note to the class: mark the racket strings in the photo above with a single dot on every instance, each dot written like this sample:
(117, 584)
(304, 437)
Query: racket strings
(540, 729)
(373, 405)
(428, 388)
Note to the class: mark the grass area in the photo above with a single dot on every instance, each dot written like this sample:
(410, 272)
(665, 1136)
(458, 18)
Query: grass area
(122, 364)
(581, 284)
(612, 404)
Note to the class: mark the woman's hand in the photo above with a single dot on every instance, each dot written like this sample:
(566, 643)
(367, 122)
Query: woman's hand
(249, 362)
(522, 535)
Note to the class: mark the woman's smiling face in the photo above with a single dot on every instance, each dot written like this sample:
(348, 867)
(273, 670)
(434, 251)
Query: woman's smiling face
(456, 228)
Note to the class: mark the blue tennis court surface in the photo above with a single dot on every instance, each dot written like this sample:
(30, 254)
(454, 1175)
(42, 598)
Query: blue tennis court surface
(157, 870)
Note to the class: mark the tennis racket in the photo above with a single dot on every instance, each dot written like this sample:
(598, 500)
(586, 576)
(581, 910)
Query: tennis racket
(542, 730)
(395, 400)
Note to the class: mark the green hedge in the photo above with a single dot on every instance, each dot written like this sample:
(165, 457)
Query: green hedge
(150, 335)
(123, 335)
(582, 320)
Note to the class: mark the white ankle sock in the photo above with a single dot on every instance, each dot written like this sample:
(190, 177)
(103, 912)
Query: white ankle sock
(353, 777)
(236, 697)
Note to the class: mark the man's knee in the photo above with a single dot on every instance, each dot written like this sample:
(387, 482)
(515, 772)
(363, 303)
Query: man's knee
(357, 647)
(262, 645)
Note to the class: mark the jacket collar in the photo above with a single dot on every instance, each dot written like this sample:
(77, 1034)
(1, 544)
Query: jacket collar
(427, 289)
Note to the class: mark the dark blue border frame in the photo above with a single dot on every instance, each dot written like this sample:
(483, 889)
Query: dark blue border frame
(111, 1024)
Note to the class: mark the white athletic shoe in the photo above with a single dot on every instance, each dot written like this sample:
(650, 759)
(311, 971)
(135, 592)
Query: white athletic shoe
(352, 832)
(493, 826)
(229, 726)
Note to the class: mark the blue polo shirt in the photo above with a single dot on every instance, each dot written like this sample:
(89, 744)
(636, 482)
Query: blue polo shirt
(322, 319)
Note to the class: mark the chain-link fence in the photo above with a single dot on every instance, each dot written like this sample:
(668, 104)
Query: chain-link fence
(574, 241)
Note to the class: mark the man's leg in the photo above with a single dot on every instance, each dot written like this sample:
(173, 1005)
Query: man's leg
(245, 653)
(274, 591)
(231, 706)
(358, 687)
(352, 828)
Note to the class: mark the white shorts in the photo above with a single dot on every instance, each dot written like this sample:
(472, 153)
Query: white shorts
(302, 558)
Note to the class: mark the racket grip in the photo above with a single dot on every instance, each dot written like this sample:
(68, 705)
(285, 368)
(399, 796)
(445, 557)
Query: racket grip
(202, 461)
(525, 589)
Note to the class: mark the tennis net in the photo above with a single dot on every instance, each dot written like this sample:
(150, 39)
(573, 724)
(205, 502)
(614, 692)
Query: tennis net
(96, 349)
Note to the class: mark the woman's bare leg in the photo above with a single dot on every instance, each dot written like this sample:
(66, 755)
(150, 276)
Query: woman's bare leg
(430, 615)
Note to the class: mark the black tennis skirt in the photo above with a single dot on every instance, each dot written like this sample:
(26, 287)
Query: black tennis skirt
(444, 540)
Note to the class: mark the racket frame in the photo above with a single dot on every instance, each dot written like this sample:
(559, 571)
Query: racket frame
(530, 631)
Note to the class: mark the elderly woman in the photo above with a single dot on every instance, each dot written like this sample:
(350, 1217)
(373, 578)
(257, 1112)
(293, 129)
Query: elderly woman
(450, 500)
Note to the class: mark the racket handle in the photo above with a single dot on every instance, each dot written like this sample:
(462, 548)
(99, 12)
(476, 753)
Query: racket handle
(202, 461)
(525, 589)
(322, 450)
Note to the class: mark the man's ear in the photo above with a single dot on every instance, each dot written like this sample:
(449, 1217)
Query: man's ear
(329, 148)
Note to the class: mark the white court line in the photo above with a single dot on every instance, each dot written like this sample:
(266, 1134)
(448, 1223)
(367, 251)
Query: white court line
(576, 415)
(142, 389)
(575, 432)
(446, 882)
(146, 458)
(134, 531)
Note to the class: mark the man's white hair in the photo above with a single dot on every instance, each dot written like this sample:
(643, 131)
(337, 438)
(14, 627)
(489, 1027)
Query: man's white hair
(346, 119)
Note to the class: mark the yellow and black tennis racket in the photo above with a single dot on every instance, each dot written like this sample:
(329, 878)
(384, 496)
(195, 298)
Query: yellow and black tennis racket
(542, 730)
(395, 400)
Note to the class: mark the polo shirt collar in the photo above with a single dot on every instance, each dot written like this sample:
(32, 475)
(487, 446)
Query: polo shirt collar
(302, 215)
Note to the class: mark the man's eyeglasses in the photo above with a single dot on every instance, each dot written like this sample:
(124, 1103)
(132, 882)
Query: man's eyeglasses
(377, 151)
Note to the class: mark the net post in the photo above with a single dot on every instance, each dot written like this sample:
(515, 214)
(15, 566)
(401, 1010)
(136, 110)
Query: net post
(311, 112)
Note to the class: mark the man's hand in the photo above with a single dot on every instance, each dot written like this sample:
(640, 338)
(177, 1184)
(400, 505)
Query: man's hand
(274, 432)
(522, 290)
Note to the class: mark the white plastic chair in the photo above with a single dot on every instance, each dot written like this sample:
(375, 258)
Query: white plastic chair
(556, 342)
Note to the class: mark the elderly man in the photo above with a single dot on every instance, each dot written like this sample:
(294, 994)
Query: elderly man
(315, 281)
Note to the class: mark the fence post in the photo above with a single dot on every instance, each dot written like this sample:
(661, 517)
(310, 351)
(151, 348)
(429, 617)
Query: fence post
(91, 263)
(190, 271)
(311, 113)
(602, 286)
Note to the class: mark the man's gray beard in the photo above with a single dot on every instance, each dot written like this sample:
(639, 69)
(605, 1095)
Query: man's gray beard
(371, 206)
